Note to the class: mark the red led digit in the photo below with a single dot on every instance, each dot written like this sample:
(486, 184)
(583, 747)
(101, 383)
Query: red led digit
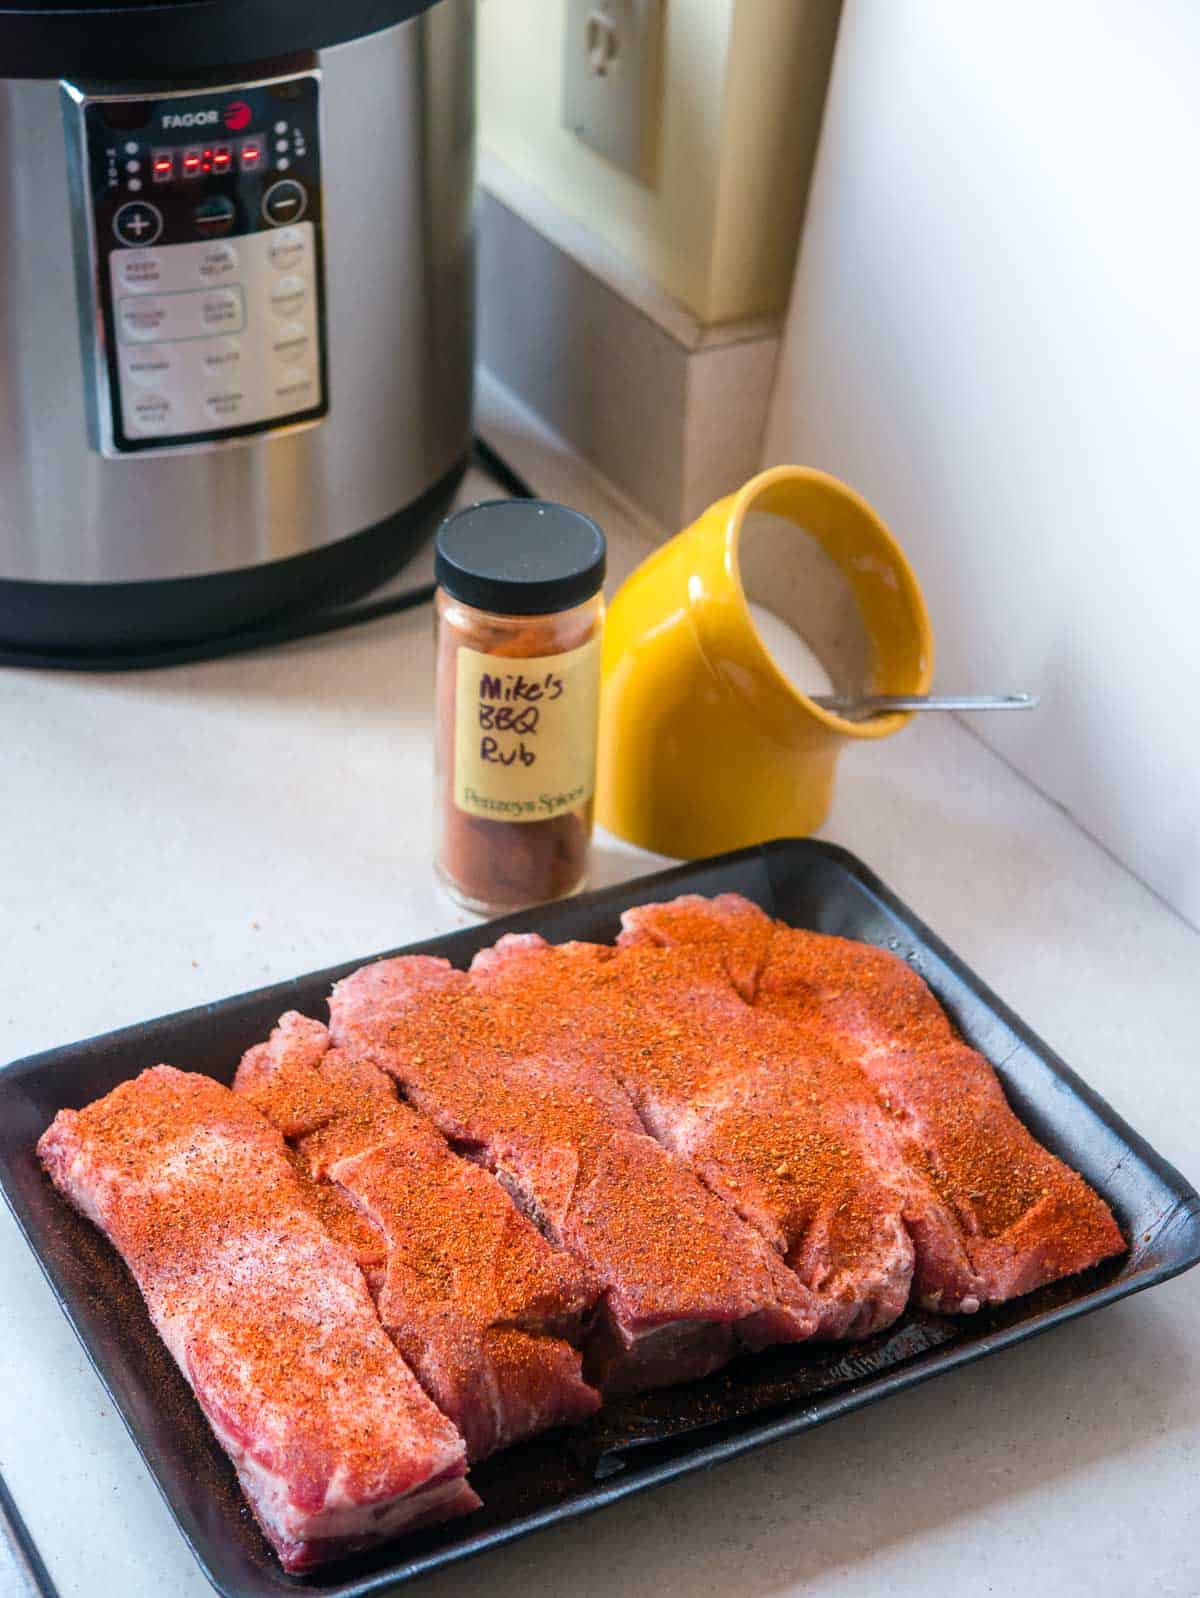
(191, 163)
(162, 166)
(251, 155)
(222, 159)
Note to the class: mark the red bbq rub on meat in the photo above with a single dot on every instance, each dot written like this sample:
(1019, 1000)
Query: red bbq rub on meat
(335, 1444)
(1024, 1217)
(773, 1133)
(485, 1312)
(786, 1129)
(686, 1282)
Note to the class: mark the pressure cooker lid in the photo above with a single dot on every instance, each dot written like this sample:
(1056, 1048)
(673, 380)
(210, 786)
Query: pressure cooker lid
(166, 40)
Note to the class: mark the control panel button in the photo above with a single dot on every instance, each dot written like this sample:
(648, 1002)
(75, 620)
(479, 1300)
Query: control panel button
(215, 214)
(222, 309)
(288, 296)
(291, 343)
(224, 407)
(141, 270)
(138, 222)
(218, 261)
(221, 357)
(287, 249)
(296, 391)
(150, 365)
(143, 318)
(285, 201)
(151, 413)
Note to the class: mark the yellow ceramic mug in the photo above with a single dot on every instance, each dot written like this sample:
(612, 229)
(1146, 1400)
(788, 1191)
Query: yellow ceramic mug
(704, 744)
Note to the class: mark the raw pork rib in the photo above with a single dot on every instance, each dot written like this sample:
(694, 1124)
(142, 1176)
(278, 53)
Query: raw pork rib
(1025, 1218)
(686, 1282)
(335, 1444)
(485, 1312)
(787, 1131)
(776, 1134)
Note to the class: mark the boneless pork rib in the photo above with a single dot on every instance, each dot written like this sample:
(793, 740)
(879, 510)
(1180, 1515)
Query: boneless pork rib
(334, 1442)
(786, 1130)
(478, 1200)
(1023, 1217)
(686, 1282)
(775, 1134)
(486, 1313)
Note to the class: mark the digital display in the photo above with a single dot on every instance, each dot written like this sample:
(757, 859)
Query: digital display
(199, 160)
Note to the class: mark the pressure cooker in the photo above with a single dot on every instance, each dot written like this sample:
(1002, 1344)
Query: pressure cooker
(236, 290)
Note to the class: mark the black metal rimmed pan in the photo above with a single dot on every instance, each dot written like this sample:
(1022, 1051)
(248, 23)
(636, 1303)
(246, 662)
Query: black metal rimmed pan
(636, 1443)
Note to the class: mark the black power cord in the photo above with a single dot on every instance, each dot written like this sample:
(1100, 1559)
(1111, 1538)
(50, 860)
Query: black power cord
(18, 1551)
(312, 624)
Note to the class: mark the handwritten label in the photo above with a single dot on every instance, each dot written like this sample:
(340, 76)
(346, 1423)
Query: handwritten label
(525, 733)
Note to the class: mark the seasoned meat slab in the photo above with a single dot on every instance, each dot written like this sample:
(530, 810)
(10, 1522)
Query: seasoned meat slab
(479, 1200)
(487, 1314)
(334, 1442)
(686, 1282)
(787, 1130)
(1024, 1218)
(775, 1133)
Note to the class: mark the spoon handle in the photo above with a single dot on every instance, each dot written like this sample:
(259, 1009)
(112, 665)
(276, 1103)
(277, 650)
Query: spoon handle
(881, 704)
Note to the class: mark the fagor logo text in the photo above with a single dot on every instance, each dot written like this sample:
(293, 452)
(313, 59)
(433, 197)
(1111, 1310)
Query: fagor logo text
(191, 119)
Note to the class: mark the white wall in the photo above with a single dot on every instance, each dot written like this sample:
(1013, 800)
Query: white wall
(995, 335)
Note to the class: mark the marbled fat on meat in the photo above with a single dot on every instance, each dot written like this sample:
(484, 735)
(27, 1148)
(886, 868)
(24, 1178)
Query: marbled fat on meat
(334, 1442)
(488, 1315)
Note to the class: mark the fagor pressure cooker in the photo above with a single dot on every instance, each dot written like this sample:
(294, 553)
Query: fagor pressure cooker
(236, 288)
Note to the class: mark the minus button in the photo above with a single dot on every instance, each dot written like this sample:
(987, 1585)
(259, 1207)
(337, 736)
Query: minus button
(285, 201)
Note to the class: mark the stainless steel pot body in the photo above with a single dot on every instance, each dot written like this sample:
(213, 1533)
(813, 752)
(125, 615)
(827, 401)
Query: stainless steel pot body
(397, 184)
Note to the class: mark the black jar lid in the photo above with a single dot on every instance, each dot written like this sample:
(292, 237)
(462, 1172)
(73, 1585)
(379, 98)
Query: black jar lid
(520, 557)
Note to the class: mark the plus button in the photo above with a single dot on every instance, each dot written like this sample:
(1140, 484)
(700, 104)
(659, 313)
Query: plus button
(138, 222)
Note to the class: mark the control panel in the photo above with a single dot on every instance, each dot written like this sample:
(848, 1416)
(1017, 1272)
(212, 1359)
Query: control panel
(202, 279)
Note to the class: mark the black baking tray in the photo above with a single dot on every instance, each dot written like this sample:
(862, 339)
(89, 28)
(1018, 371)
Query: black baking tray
(634, 1444)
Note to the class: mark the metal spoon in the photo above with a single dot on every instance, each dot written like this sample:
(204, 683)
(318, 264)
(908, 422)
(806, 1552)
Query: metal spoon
(852, 706)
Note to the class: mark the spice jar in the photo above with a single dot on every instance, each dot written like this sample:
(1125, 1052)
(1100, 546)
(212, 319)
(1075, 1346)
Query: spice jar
(518, 618)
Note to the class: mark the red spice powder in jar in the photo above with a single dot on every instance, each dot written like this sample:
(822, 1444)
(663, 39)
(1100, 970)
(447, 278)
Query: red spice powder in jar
(518, 617)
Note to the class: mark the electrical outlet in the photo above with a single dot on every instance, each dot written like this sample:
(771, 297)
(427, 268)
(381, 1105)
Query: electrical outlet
(611, 79)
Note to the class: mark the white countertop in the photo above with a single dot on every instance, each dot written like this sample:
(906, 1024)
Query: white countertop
(174, 837)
